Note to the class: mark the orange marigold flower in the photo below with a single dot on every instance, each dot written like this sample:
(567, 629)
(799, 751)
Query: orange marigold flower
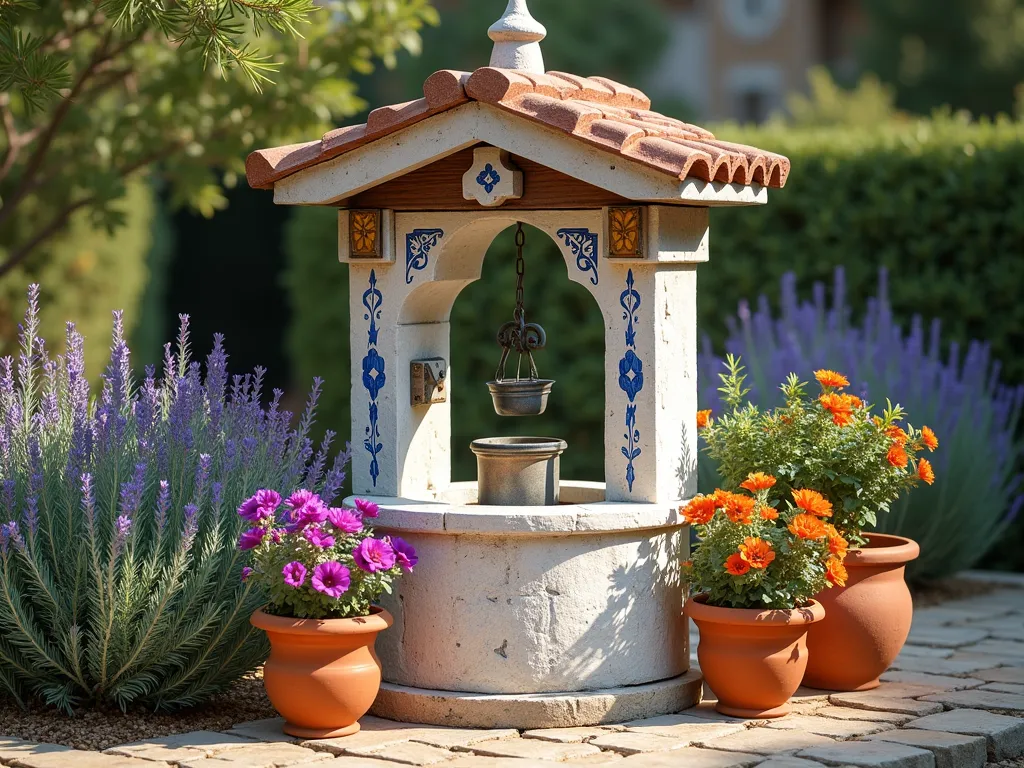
(853, 400)
(807, 527)
(736, 565)
(700, 510)
(758, 481)
(831, 379)
(929, 439)
(840, 406)
(813, 502)
(835, 572)
(686, 564)
(837, 545)
(757, 552)
(925, 472)
(897, 455)
(769, 513)
(897, 435)
(737, 507)
(703, 417)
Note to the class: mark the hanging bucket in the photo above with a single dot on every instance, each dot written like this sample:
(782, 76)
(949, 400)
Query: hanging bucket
(523, 397)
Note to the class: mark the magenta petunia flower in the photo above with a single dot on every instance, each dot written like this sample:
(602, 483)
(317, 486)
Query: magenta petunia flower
(405, 553)
(251, 538)
(344, 520)
(246, 573)
(260, 506)
(374, 555)
(367, 508)
(294, 574)
(318, 537)
(332, 578)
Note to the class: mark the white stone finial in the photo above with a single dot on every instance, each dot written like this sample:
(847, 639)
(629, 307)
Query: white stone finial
(517, 37)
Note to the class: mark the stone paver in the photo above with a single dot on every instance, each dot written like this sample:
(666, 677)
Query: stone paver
(875, 754)
(957, 664)
(449, 738)
(408, 753)
(788, 761)
(683, 726)
(872, 715)
(866, 700)
(827, 726)
(634, 743)
(532, 749)
(1005, 735)
(1001, 675)
(267, 755)
(767, 741)
(1009, 651)
(77, 759)
(951, 750)
(11, 749)
(945, 637)
(939, 682)
(480, 761)
(181, 746)
(1004, 688)
(570, 735)
(978, 699)
(691, 757)
(269, 729)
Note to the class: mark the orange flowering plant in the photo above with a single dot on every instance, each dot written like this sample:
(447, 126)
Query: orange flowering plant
(756, 552)
(829, 443)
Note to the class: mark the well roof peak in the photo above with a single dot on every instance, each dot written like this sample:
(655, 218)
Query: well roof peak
(517, 37)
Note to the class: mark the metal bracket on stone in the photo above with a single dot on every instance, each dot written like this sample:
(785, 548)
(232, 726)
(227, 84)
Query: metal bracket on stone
(427, 379)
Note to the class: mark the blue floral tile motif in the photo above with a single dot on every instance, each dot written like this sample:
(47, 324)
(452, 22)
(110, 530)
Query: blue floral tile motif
(582, 243)
(488, 178)
(417, 248)
(374, 378)
(631, 376)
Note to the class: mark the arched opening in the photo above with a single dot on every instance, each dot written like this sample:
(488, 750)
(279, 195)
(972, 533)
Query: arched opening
(573, 357)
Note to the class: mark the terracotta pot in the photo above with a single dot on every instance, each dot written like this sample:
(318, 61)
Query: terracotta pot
(867, 621)
(752, 658)
(322, 675)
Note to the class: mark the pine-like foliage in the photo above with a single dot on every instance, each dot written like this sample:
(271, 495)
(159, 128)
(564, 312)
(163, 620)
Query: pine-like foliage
(119, 574)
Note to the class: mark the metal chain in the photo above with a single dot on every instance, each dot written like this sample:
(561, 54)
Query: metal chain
(519, 313)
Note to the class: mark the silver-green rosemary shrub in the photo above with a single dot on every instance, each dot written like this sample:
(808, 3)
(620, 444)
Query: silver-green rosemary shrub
(119, 570)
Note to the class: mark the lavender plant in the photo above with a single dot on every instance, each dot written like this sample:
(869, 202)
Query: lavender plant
(977, 493)
(119, 571)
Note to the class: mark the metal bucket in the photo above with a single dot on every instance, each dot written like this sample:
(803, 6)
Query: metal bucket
(518, 471)
(522, 397)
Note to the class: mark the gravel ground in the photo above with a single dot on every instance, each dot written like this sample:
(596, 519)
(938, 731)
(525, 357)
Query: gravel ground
(100, 729)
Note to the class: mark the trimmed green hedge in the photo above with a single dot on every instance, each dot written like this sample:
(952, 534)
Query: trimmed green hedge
(936, 201)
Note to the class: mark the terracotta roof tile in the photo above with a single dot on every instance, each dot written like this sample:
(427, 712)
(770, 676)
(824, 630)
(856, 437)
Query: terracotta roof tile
(605, 114)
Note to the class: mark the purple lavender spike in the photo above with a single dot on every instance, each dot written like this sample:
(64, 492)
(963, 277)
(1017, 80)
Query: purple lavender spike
(163, 504)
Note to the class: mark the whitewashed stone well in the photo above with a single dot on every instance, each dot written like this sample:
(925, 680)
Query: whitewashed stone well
(526, 617)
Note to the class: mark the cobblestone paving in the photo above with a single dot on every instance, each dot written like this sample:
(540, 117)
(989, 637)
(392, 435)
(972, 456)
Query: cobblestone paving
(953, 699)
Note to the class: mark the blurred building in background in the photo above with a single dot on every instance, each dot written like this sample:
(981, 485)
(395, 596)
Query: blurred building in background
(737, 59)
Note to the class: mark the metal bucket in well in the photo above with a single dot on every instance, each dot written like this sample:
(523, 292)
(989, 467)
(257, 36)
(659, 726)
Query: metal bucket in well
(518, 471)
(523, 397)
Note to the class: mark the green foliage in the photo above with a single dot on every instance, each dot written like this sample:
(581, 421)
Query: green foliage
(830, 444)
(867, 105)
(931, 200)
(119, 575)
(170, 86)
(968, 54)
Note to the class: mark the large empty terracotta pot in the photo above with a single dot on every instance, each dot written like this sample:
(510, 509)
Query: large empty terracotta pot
(322, 675)
(752, 658)
(867, 621)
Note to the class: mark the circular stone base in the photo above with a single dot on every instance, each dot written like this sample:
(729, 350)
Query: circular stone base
(538, 710)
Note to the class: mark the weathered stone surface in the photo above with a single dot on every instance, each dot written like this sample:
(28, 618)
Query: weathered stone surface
(267, 755)
(871, 715)
(767, 741)
(360, 740)
(1001, 675)
(532, 749)
(633, 743)
(686, 727)
(1004, 688)
(449, 738)
(691, 757)
(926, 651)
(1005, 735)
(1007, 650)
(601, 758)
(866, 700)
(181, 746)
(480, 761)
(570, 735)
(951, 750)
(957, 664)
(269, 729)
(74, 758)
(875, 754)
(408, 753)
(978, 699)
(788, 761)
(945, 637)
(827, 726)
(706, 710)
(11, 749)
(939, 682)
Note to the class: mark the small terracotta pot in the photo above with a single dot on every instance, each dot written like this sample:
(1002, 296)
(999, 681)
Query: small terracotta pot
(752, 658)
(867, 621)
(322, 675)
